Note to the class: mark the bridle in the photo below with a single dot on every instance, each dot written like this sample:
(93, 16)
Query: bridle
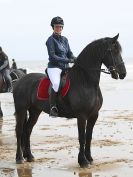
(112, 68)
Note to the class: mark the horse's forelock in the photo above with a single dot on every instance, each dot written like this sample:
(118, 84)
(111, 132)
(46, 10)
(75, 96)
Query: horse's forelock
(117, 47)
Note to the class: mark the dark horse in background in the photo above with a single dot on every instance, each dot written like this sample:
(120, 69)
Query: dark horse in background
(82, 101)
(15, 75)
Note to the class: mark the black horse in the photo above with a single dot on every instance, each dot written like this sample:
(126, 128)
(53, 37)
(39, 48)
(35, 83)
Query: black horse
(83, 100)
(15, 76)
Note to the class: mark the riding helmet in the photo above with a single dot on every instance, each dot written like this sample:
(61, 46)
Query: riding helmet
(57, 20)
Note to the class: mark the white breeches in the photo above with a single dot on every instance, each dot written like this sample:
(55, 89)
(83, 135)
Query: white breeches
(54, 76)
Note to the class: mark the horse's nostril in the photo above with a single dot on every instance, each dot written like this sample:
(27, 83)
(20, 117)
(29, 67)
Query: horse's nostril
(114, 75)
(122, 76)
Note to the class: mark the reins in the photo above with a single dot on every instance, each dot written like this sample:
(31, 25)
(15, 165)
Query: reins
(104, 71)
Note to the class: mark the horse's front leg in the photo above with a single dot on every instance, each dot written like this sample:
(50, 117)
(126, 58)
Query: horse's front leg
(89, 129)
(82, 160)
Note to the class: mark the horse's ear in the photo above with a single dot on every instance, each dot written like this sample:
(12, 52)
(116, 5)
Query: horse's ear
(114, 39)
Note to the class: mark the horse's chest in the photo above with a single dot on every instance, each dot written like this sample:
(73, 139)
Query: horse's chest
(92, 101)
(95, 102)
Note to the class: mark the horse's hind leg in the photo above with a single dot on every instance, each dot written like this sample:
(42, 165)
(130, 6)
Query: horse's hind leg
(23, 134)
(33, 117)
(89, 129)
(20, 117)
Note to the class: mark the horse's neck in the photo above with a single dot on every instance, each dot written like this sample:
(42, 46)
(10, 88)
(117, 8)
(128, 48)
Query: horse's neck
(89, 61)
(90, 76)
(91, 70)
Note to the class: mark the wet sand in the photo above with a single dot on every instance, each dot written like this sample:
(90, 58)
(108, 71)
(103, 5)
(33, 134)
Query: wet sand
(54, 143)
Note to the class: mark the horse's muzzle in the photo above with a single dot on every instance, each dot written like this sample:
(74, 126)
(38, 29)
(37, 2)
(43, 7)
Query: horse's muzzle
(122, 76)
(114, 75)
(121, 69)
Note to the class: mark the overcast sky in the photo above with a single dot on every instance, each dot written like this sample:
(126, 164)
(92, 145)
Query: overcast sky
(25, 25)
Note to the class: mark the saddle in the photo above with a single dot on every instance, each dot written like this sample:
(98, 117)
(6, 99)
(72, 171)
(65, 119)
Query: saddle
(44, 87)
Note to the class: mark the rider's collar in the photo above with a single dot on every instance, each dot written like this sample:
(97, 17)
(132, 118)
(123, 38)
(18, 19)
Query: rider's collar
(57, 36)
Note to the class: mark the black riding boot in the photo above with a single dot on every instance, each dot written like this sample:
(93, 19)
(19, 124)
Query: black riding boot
(53, 108)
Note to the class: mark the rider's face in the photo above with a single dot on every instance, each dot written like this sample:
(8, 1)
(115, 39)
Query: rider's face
(58, 28)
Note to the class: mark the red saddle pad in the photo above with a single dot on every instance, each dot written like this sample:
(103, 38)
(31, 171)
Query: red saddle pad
(43, 89)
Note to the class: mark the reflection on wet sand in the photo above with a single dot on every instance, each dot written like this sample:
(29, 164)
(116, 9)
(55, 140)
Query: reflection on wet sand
(83, 174)
(24, 172)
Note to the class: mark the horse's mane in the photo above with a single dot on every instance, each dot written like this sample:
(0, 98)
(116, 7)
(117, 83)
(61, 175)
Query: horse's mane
(117, 47)
(97, 47)
(90, 49)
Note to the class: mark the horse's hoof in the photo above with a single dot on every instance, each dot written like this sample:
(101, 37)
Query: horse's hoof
(30, 159)
(84, 165)
(82, 160)
(90, 159)
(20, 161)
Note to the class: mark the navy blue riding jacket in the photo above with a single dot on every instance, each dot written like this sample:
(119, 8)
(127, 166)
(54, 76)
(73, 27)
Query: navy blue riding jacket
(59, 51)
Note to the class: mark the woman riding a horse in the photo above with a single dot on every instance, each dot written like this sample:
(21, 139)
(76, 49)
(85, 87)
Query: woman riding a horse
(60, 55)
(82, 101)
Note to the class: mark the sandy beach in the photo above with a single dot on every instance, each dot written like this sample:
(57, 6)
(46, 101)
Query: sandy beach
(47, 36)
(54, 141)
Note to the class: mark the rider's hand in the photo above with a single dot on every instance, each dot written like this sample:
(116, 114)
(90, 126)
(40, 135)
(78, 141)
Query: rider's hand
(66, 60)
(71, 60)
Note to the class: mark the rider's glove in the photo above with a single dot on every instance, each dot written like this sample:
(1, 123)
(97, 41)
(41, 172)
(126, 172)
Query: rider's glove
(71, 60)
